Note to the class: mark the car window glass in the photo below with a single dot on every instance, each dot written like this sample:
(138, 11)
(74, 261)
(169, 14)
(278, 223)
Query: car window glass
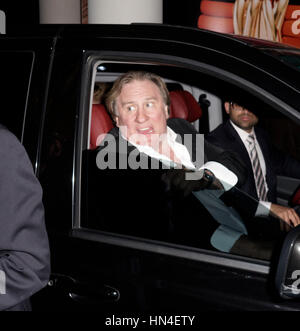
(283, 132)
(15, 70)
(154, 215)
(290, 57)
(135, 202)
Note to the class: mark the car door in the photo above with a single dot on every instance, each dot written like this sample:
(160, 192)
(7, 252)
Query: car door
(99, 262)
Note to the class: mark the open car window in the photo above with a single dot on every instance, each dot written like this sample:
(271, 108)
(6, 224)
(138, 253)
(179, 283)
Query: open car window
(134, 202)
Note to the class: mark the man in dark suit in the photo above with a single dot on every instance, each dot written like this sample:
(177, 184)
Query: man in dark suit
(24, 249)
(138, 103)
(263, 161)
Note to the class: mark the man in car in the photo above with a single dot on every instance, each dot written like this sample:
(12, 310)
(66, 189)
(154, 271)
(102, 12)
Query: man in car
(138, 102)
(264, 162)
(24, 248)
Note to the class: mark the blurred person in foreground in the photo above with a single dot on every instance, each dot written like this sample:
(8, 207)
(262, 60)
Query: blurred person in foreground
(24, 248)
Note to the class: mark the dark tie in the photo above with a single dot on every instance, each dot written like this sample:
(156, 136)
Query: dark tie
(258, 174)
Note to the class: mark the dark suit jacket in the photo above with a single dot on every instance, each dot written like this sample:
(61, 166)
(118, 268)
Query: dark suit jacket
(24, 249)
(277, 163)
(187, 135)
(152, 211)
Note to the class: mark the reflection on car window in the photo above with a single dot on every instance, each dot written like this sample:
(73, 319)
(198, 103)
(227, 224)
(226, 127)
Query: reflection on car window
(284, 133)
(289, 57)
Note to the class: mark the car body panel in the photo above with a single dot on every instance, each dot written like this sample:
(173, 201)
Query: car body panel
(149, 275)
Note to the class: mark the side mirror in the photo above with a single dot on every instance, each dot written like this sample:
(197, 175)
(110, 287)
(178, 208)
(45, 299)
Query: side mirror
(288, 271)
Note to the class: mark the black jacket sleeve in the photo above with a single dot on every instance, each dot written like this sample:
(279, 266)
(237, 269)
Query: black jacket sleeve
(229, 159)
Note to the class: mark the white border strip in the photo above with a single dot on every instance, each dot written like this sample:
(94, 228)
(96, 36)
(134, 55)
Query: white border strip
(2, 22)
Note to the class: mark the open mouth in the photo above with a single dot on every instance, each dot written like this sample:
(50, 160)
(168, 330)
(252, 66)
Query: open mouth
(145, 130)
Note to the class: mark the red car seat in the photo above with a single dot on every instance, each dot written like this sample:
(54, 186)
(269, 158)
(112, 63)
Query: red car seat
(101, 123)
(184, 105)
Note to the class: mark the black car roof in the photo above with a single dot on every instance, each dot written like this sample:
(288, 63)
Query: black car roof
(145, 30)
(262, 55)
(229, 44)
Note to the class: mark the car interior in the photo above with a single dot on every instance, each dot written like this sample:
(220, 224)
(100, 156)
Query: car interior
(188, 101)
(183, 105)
(203, 108)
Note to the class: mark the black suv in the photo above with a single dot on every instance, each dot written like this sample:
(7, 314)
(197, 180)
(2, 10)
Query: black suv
(48, 79)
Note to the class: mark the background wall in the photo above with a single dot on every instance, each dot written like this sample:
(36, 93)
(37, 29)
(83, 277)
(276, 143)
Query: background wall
(60, 11)
(180, 12)
(209, 14)
(104, 11)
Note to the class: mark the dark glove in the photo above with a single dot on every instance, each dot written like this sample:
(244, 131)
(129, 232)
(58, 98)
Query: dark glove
(186, 181)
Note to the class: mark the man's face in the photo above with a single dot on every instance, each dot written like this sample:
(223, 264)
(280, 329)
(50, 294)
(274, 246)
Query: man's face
(141, 113)
(241, 116)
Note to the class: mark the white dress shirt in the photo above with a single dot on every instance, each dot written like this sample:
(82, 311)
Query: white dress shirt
(263, 208)
(227, 178)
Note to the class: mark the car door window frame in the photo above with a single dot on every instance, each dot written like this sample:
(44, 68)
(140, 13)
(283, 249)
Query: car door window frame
(222, 259)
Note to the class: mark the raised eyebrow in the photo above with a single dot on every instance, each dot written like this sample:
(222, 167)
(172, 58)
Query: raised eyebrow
(151, 100)
(127, 103)
(132, 102)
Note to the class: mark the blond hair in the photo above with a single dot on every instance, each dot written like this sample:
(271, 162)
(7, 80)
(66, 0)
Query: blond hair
(128, 78)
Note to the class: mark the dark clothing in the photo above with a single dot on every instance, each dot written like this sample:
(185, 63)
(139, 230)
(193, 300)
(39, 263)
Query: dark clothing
(24, 249)
(277, 163)
(144, 206)
(185, 131)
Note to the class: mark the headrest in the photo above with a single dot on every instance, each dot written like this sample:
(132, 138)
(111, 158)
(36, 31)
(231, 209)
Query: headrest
(195, 111)
(184, 105)
(101, 123)
(178, 107)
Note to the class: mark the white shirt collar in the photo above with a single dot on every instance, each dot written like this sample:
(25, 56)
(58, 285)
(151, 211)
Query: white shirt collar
(171, 137)
(227, 178)
(179, 149)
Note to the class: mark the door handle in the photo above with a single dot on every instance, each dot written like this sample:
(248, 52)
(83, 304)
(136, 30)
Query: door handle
(84, 292)
(99, 294)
